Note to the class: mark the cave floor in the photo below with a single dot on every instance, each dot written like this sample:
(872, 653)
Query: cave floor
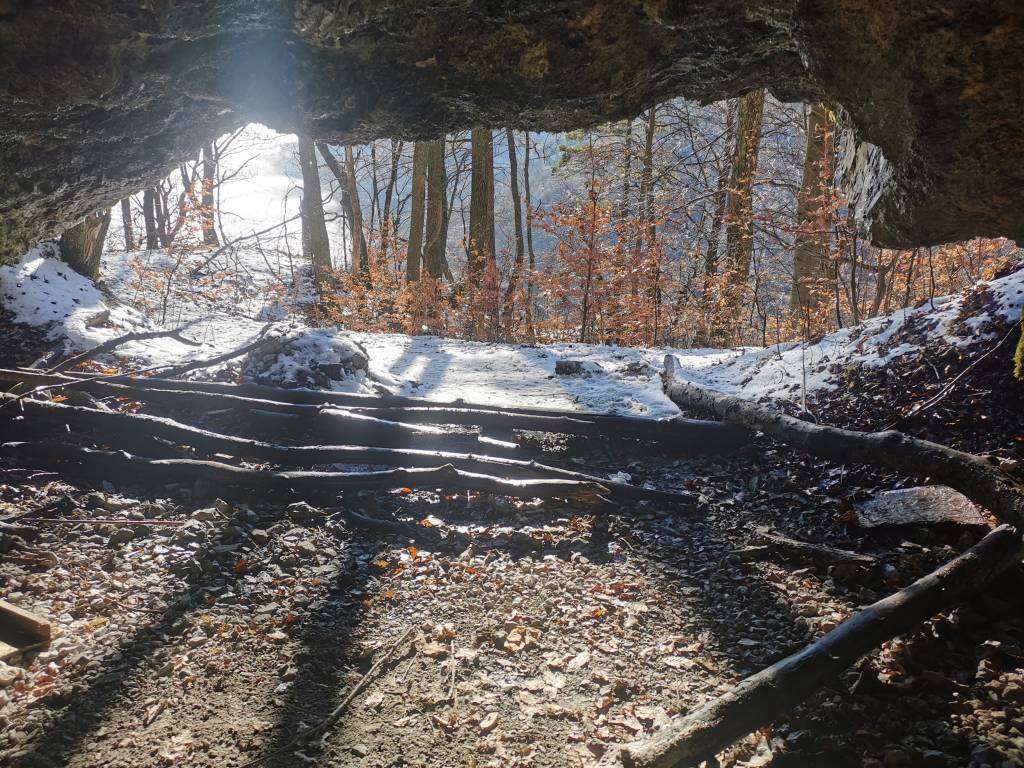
(566, 629)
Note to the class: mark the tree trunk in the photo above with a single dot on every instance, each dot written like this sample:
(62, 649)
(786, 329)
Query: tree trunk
(360, 258)
(126, 224)
(481, 205)
(811, 243)
(647, 178)
(627, 169)
(82, 245)
(436, 231)
(208, 204)
(356, 234)
(314, 228)
(517, 214)
(414, 250)
(149, 215)
(739, 228)
(389, 193)
(721, 199)
(531, 333)
(161, 216)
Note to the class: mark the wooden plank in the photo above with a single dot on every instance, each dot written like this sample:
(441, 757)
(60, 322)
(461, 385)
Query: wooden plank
(20, 630)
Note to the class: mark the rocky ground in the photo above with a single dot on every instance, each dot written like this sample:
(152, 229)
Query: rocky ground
(212, 633)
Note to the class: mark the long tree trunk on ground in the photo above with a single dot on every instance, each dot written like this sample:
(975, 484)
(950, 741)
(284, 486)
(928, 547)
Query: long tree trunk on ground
(208, 204)
(739, 228)
(529, 237)
(314, 227)
(389, 193)
(811, 243)
(126, 224)
(762, 698)
(414, 250)
(517, 214)
(360, 256)
(149, 216)
(481, 205)
(82, 245)
(436, 232)
(972, 475)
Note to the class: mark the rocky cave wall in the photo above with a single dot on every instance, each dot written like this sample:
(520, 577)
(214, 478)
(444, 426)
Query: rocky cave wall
(99, 99)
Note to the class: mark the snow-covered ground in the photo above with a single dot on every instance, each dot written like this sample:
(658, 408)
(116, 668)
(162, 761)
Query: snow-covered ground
(227, 304)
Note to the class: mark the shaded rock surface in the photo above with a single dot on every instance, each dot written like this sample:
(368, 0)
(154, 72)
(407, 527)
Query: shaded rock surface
(99, 99)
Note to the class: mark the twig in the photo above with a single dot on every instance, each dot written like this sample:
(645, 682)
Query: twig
(942, 393)
(211, 361)
(336, 713)
(135, 607)
(112, 344)
(454, 663)
(91, 521)
(237, 240)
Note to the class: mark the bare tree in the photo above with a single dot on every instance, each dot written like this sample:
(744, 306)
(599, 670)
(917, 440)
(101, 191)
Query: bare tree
(149, 216)
(739, 230)
(436, 229)
(481, 205)
(520, 247)
(316, 245)
(126, 223)
(414, 250)
(208, 202)
(811, 244)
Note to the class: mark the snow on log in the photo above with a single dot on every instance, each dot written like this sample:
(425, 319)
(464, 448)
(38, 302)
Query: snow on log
(136, 432)
(972, 475)
(692, 434)
(763, 697)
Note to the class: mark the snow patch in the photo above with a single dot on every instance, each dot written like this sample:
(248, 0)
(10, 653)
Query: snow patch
(41, 290)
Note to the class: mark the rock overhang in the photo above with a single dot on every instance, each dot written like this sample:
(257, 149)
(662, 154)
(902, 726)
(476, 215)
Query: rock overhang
(99, 99)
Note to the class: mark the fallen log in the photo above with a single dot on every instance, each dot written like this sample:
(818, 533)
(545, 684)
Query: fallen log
(692, 434)
(118, 465)
(972, 475)
(136, 432)
(763, 697)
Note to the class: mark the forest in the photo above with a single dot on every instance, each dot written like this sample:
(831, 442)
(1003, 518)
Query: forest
(689, 226)
(582, 383)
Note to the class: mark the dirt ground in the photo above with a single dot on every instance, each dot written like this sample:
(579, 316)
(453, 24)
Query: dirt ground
(494, 632)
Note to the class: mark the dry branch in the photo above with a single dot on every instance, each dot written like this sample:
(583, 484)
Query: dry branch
(972, 475)
(112, 344)
(136, 432)
(195, 365)
(804, 550)
(115, 465)
(762, 698)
